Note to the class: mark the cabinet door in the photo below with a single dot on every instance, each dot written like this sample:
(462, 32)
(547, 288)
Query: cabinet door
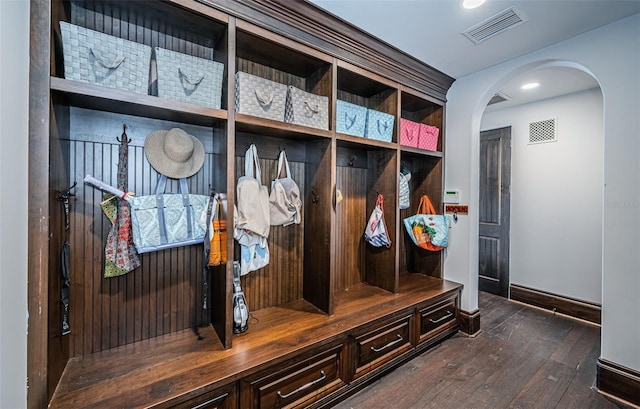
(296, 383)
(382, 343)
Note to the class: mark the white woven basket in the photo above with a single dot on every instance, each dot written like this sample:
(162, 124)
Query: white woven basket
(187, 78)
(260, 97)
(90, 56)
(305, 108)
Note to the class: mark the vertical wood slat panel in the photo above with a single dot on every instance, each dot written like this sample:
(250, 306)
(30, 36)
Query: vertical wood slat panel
(163, 295)
(135, 21)
(351, 215)
(281, 281)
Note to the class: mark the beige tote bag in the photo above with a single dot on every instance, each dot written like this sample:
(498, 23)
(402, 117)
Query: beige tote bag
(252, 197)
(284, 202)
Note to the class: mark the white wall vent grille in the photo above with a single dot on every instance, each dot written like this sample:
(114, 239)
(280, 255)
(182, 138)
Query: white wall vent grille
(495, 25)
(498, 97)
(543, 131)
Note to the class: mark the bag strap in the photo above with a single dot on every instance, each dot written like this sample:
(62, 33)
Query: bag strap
(207, 251)
(251, 163)
(184, 193)
(64, 288)
(425, 206)
(282, 160)
(380, 203)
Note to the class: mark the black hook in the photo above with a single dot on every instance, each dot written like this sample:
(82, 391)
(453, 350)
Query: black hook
(124, 136)
(351, 160)
(63, 196)
(315, 197)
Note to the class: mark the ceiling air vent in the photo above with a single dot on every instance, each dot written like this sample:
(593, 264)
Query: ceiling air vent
(498, 97)
(495, 25)
(542, 131)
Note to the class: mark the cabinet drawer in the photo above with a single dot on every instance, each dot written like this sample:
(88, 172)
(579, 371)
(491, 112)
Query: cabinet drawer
(437, 318)
(381, 344)
(221, 398)
(297, 383)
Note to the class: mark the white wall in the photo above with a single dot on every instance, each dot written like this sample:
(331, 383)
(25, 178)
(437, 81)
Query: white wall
(14, 85)
(556, 195)
(612, 55)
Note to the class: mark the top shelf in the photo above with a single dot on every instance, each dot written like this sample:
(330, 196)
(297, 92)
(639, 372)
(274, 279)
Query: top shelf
(101, 98)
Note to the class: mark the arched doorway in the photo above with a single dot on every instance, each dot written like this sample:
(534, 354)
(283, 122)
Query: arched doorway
(556, 187)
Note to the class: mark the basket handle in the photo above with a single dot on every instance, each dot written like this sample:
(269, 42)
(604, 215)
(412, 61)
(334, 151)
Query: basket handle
(265, 102)
(100, 59)
(194, 82)
(312, 111)
(349, 122)
(408, 133)
(385, 126)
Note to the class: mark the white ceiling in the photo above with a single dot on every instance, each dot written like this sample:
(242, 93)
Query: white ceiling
(430, 30)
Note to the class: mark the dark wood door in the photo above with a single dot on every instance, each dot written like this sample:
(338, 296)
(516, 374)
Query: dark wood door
(495, 186)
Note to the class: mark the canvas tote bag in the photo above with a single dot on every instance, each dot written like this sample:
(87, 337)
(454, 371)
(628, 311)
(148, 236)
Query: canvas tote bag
(284, 202)
(427, 229)
(253, 197)
(376, 232)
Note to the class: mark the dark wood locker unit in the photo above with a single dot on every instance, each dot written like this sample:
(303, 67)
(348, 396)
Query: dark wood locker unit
(330, 312)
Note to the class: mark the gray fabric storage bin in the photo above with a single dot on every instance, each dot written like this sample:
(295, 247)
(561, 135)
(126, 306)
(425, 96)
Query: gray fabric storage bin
(259, 96)
(305, 108)
(91, 56)
(187, 78)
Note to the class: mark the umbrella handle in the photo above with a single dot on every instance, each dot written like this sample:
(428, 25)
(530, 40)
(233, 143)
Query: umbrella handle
(90, 180)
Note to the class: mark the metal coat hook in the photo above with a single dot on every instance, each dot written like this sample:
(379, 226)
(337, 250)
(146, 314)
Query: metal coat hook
(314, 198)
(124, 136)
(64, 196)
(351, 160)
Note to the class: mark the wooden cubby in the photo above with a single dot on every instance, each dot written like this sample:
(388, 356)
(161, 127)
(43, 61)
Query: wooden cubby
(363, 171)
(423, 109)
(363, 88)
(143, 339)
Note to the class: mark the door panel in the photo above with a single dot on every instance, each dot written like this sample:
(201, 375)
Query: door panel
(495, 181)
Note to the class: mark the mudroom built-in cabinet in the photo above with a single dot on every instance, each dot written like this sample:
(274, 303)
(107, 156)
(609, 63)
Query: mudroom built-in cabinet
(329, 313)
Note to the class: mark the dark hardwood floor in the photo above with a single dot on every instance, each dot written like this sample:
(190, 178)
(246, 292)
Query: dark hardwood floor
(523, 358)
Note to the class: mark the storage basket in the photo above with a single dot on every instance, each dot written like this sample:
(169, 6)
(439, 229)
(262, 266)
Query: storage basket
(260, 97)
(379, 125)
(90, 56)
(304, 108)
(409, 133)
(350, 118)
(187, 78)
(428, 138)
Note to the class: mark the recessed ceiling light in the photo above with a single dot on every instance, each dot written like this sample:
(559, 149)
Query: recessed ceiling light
(472, 4)
(530, 85)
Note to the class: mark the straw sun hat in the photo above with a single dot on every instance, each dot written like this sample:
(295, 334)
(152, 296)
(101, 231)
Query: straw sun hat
(174, 153)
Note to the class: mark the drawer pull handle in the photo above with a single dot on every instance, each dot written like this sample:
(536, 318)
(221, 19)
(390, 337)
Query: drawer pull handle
(449, 315)
(322, 377)
(210, 401)
(390, 344)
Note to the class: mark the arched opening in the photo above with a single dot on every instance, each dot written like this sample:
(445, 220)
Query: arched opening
(556, 192)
